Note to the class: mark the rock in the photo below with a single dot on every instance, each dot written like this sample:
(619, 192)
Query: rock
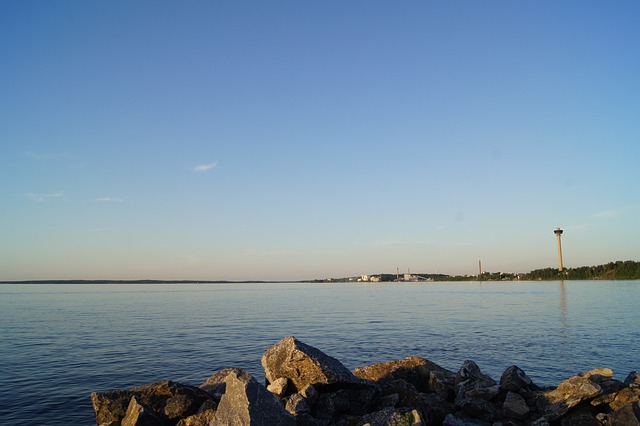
(624, 397)
(386, 401)
(437, 408)
(392, 417)
(515, 379)
(297, 405)
(632, 380)
(542, 421)
(484, 393)
(110, 407)
(470, 381)
(598, 375)
(406, 393)
(140, 415)
(515, 406)
(216, 385)
(278, 387)
(305, 365)
(166, 399)
(352, 402)
(471, 372)
(246, 402)
(414, 370)
(452, 420)
(310, 394)
(580, 417)
(479, 409)
(627, 415)
(568, 394)
(203, 417)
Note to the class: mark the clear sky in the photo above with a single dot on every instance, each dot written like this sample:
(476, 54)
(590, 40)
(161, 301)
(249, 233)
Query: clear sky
(312, 139)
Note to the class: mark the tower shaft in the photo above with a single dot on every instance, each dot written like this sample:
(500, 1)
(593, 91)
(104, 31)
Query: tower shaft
(559, 254)
(558, 233)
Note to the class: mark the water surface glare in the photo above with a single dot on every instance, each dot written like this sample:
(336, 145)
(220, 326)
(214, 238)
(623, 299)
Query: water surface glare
(60, 342)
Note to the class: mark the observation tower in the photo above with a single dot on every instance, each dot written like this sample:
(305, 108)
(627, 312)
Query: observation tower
(558, 233)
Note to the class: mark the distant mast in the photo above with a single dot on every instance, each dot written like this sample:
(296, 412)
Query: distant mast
(558, 233)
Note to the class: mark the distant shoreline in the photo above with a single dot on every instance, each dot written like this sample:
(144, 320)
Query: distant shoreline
(618, 270)
(140, 282)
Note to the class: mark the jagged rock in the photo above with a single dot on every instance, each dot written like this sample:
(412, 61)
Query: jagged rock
(580, 417)
(305, 365)
(471, 378)
(515, 406)
(515, 379)
(168, 400)
(203, 417)
(471, 372)
(407, 394)
(278, 387)
(392, 417)
(413, 370)
(632, 380)
(487, 393)
(216, 385)
(624, 397)
(297, 404)
(310, 393)
(598, 375)
(245, 402)
(453, 420)
(479, 409)
(139, 415)
(110, 407)
(568, 394)
(437, 408)
(627, 415)
(386, 401)
(352, 402)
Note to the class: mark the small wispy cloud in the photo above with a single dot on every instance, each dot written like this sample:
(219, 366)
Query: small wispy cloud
(607, 214)
(203, 168)
(108, 200)
(43, 197)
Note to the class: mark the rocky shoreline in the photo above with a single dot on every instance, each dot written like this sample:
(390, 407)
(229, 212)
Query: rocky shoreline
(307, 387)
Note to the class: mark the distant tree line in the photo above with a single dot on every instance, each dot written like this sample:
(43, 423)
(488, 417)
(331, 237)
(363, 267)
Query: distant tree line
(620, 270)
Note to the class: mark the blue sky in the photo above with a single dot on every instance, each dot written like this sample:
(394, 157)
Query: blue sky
(299, 139)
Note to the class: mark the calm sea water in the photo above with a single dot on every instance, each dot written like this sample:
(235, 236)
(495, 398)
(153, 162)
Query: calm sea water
(58, 343)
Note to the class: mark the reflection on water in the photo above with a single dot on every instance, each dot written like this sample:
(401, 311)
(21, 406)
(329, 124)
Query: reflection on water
(563, 305)
(58, 343)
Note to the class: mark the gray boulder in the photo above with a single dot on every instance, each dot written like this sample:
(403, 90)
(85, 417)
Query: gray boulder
(515, 379)
(168, 401)
(472, 383)
(515, 406)
(203, 417)
(556, 403)
(305, 365)
(628, 415)
(423, 374)
(216, 384)
(246, 402)
(140, 415)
